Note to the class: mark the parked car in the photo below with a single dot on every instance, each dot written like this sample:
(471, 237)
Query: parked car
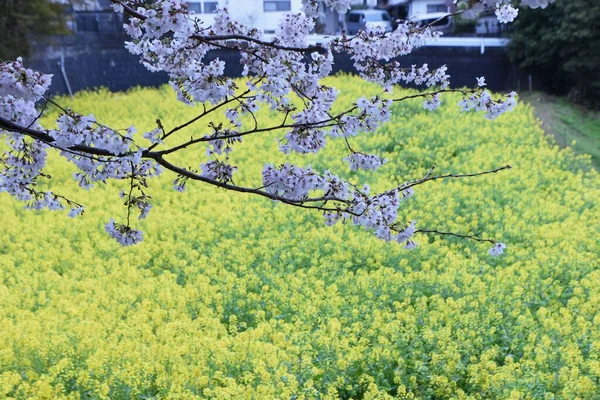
(357, 20)
(439, 21)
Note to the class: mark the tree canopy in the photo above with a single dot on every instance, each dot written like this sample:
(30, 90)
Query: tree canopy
(19, 19)
(561, 44)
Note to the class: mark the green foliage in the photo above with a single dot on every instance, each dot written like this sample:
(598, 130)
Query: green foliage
(560, 46)
(570, 124)
(19, 19)
(231, 296)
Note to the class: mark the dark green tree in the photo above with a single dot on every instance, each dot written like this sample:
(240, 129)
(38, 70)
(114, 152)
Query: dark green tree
(561, 46)
(19, 19)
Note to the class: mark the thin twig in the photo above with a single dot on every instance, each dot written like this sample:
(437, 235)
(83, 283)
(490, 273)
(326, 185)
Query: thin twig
(428, 178)
(458, 235)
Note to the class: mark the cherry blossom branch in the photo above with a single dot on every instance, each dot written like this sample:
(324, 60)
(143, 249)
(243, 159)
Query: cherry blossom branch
(458, 235)
(425, 94)
(202, 115)
(428, 177)
(325, 123)
(240, 134)
(46, 138)
(298, 203)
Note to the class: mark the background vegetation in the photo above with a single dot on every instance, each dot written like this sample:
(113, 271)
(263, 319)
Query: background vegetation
(231, 296)
(560, 45)
(569, 124)
(19, 19)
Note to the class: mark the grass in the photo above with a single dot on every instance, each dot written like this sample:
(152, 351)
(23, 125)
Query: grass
(568, 124)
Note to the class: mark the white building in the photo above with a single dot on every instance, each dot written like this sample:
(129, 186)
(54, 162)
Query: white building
(420, 7)
(408, 9)
(265, 14)
(262, 14)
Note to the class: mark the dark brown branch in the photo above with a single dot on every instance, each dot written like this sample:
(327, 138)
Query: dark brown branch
(200, 116)
(319, 124)
(298, 203)
(46, 138)
(458, 235)
(240, 134)
(425, 94)
(301, 203)
(428, 178)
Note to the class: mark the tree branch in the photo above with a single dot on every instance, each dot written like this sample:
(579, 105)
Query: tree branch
(458, 235)
(428, 177)
(298, 203)
(46, 138)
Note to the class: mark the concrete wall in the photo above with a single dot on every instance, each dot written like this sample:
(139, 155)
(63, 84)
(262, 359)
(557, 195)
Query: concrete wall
(99, 59)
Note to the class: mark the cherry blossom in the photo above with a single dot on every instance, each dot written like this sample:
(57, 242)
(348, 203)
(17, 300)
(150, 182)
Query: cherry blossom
(123, 234)
(506, 13)
(364, 161)
(497, 249)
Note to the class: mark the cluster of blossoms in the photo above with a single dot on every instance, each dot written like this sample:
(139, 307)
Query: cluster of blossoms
(371, 114)
(377, 213)
(218, 171)
(482, 101)
(74, 129)
(154, 136)
(505, 10)
(220, 146)
(364, 161)
(290, 181)
(168, 38)
(76, 135)
(497, 249)
(46, 200)
(23, 162)
(372, 49)
(122, 233)
(18, 82)
(179, 183)
(506, 13)
(432, 103)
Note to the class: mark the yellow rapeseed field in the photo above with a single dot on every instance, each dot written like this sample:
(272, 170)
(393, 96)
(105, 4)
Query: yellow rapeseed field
(230, 296)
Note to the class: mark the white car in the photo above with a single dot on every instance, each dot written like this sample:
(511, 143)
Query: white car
(357, 20)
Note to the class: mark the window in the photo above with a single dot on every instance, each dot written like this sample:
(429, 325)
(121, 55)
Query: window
(432, 8)
(195, 7)
(277, 5)
(210, 7)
